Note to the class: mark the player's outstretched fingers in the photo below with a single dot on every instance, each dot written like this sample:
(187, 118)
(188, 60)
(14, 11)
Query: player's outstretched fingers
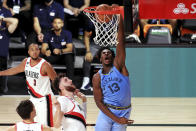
(123, 120)
(130, 121)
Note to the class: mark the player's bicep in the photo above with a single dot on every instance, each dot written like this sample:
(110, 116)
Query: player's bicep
(50, 71)
(97, 88)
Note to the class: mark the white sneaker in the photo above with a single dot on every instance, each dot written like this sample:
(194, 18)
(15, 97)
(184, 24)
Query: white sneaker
(85, 84)
(91, 88)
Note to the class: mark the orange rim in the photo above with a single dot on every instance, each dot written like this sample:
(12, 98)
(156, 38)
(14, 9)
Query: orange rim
(115, 10)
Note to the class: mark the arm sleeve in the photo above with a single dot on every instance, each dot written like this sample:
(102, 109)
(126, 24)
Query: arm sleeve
(84, 106)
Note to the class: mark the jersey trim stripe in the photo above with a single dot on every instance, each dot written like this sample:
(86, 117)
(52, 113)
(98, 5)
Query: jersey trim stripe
(72, 108)
(77, 116)
(32, 91)
(35, 64)
(49, 112)
(29, 123)
(25, 63)
(41, 69)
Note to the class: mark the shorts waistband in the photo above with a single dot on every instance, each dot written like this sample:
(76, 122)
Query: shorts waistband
(118, 107)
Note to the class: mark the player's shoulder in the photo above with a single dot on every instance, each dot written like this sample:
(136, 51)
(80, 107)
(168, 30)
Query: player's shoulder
(96, 76)
(24, 61)
(62, 98)
(46, 64)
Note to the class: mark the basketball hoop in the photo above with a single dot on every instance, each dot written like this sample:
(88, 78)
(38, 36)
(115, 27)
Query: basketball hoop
(106, 25)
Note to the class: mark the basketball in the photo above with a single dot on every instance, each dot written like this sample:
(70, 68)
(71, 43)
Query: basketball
(103, 17)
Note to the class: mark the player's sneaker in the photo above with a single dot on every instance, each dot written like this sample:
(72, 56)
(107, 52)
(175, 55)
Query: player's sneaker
(85, 84)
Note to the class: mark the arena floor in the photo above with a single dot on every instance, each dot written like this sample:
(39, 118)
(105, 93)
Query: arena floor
(149, 114)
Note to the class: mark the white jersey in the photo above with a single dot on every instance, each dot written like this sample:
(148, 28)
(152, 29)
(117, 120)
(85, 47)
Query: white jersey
(38, 84)
(22, 126)
(74, 114)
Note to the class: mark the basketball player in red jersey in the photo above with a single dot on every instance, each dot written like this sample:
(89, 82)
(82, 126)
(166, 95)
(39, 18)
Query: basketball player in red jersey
(26, 111)
(38, 74)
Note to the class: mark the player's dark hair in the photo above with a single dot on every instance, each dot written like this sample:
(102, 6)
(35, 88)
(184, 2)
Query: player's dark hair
(32, 44)
(24, 109)
(103, 48)
(56, 81)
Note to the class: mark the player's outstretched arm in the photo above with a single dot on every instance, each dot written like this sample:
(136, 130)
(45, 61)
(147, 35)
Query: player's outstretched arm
(119, 61)
(14, 70)
(120, 49)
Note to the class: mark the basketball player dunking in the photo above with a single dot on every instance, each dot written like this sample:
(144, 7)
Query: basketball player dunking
(38, 74)
(111, 88)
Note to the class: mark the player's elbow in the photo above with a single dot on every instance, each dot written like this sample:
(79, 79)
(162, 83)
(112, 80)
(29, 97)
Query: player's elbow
(99, 103)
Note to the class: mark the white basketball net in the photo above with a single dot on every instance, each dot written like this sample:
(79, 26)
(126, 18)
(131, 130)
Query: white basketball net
(106, 32)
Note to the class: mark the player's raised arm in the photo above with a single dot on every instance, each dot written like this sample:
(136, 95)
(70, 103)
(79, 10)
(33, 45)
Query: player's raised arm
(14, 70)
(119, 60)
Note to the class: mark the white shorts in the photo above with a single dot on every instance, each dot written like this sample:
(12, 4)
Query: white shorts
(44, 110)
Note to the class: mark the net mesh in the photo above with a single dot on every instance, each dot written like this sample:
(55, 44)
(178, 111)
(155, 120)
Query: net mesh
(106, 32)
